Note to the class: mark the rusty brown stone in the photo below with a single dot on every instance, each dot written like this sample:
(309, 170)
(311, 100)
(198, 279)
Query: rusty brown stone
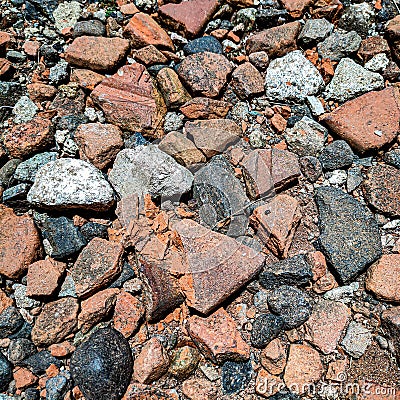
(127, 314)
(205, 108)
(150, 55)
(40, 91)
(24, 378)
(171, 88)
(273, 357)
(247, 81)
(61, 349)
(86, 78)
(5, 301)
(199, 389)
(392, 30)
(31, 48)
(6, 68)
(5, 39)
(130, 100)
(372, 46)
(296, 8)
(267, 384)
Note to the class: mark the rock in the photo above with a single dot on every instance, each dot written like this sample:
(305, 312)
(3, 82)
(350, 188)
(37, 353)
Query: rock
(10, 322)
(266, 327)
(218, 338)
(379, 63)
(371, 47)
(303, 368)
(28, 138)
(20, 349)
(69, 183)
(292, 78)
(247, 81)
(148, 170)
(276, 222)
(326, 324)
(268, 385)
(93, 27)
(130, 100)
(382, 278)
(391, 325)
(24, 110)
(24, 378)
(11, 92)
(357, 339)
(381, 189)
(150, 55)
(236, 376)
(339, 45)
(56, 321)
(190, 16)
(273, 357)
(314, 31)
(392, 158)
(85, 78)
(213, 275)
(43, 277)
(358, 17)
(202, 44)
(97, 265)
(142, 31)
(175, 95)
(295, 271)
(205, 73)
(21, 299)
(58, 386)
(205, 108)
(5, 301)
(296, 8)
(152, 362)
(346, 224)
(336, 155)
(102, 366)
(184, 362)
(259, 59)
(6, 375)
(98, 143)
(128, 313)
(40, 362)
(199, 389)
(26, 170)
(97, 53)
(96, 308)
(276, 41)
(352, 80)
(66, 14)
(19, 242)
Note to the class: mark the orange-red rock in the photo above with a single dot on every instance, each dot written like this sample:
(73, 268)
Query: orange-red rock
(130, 100)
(273, 357)
(40, 91)
(62, 349)
(296, 8)
(19, 243)
(267, 384)
(142, 31)
(127, 314)
(24, 378)
(150, 55)
(5, 301)
(205, 108)
(247, 81)
(371, 46)
(31, 48)
(5, 39)
(86, 78)
(97, 53)
(199, 389)
(6, 68)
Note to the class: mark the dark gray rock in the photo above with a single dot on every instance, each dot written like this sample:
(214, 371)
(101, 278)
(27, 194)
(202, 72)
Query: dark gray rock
(236, 376)
(92, 229)
(358, 17)
(58, 386)
(291, 304)
(266, 327)
(354, 178)
(20, 349)
(269, 17)
(284, 395)
(39, 362)
(10, 321)
(392, 158)
(220, 195)
(315, 30)
(10, 93)
(23, 333)
(126, 274)
(32, 394)
(294, 271)
(311, 168)
(339, 45)
(102, 366)
(6, 375)
(202, 44)
(71, 122)
(50, 55)
(93, 27)
(7, 172)
(336, 155)
(15, 193)
(15, 56)
(350, 237)
(26, 170)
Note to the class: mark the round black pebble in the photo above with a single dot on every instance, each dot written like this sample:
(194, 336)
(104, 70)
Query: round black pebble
(266, 327)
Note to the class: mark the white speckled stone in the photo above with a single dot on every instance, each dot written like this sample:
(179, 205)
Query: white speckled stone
(66, 14)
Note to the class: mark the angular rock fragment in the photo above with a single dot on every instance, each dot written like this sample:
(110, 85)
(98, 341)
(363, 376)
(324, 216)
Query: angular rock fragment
(339, 45)
(357, 339)
(315, 30)
(247, 81)
(205, 108)
(171, 88)
(127, 314)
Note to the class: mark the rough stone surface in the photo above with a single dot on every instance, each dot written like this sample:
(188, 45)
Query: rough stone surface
(357, 339)
(236, 376)
(6, 375)
(339, 45)
(127, 314)
(26, 171)
(175, 95)
(67, 14)
(247, 81)
(202, 44)
(336, 155)
(266, 327)
(315, 30)
(205, 108)
(273, 357)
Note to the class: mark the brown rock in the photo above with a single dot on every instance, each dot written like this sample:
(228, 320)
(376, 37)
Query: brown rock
(325, 283)
(205, 108)
(56, 321)
(267, 385)
(318, 264)
(383, 278)
(43, 277)
(303, 368)
(326, 324)
(142, 31)
(24, 378)
(99, 143)
(96, 308)
(31, 48)
(278, 123)
(152, 362)
(127, 314)
(130, 100)
(217, 265)
(19, 243)
(337, 370)
(5, 39)
(184, 361)
(5, 301)
(217, 337)
(247, 81)
(391, 323)
(273, 357)
(171, 88)
(138, 391)
(97, 265)
(372, 46)
(128, 209)
(189, 16)
(205, 73)
(267, 169)
(213, 136)
(150, 55)
(62, 349)
(86, 78)
(296, 8)
(276, 41)
(39, 92)
(97, 53)
(368, 122)
(30, 137)
(199, 389)
(184, 151)
(65, 105)
(382, 189)
(393, 28)
(6, 68)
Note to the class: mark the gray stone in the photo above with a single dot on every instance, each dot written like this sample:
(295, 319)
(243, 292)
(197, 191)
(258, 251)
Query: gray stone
(311, 168)
(354, 178)
(59, 73)
(315, 30)
(292, 77)
(10, 322)
(357, 339)
(260, 301)
(266, 327)
(39, 362)
(344, 294)
(69, 184)
(58, 386)
(66, 14)
(20, 349)
(92, 27)
(336, 155)
(173, 122)
(21, 299)
(24, 110)
(358, 17)
(377, 63)
(236, 376)
(26, 170)
(6, 375)
(10, 93)
(15, 193)
(339, 45)
(392, 158)
(7, 172)
(315, 106)
(15, 56)
(352, 80)
(147, 169)
(220, 195)
(350, 237)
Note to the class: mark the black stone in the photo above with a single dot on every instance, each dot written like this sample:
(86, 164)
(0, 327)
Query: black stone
(46, 7)
(311, 168)
(39, 362)
(266, 327)
(89, 28)
(202, 44)
(23, 332)
(50, 55)
(20, 349)
(6, 375)
(337, 155)
(126, 274)
(15, 56)
(10, 321)
(102, 366)
(291, 271)
(350, 237)
(92, 229)
(32, 394)
(392, 158)
(58, 386)
(10, 93)
(269, 17)
(236, 376)
(291, 304)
